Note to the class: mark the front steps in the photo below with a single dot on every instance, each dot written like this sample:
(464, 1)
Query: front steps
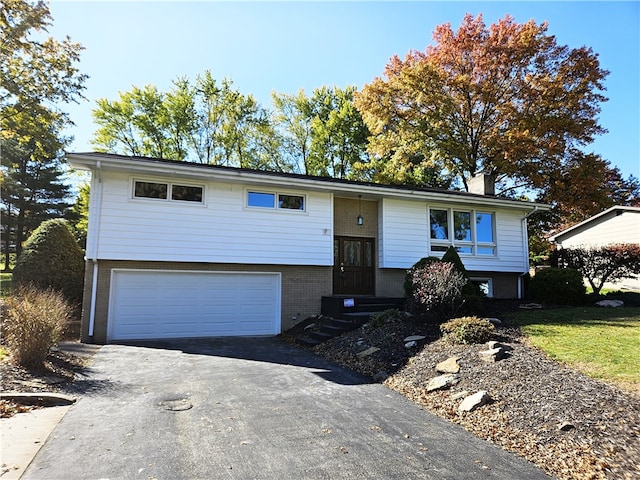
(343, 314)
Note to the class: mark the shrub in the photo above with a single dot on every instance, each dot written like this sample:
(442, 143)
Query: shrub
(52, 259)
(408, 279)
(598, 265)
(437, 289)
(381, 318)
(559, 286)
(33, 322)
(451, 256)
(467, 330)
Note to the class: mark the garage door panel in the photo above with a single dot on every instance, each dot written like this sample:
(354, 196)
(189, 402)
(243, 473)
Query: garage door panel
(172, 304)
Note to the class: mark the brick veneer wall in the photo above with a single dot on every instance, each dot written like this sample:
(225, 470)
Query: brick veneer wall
(302, 289)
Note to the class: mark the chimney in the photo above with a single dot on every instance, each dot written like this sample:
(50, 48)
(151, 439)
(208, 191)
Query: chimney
(482, 184)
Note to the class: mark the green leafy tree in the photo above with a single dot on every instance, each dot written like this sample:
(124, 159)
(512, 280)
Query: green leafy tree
(78, 215)
(203, 121)
(339, 137)
(322, 134)
(35, 69)
(38, 73)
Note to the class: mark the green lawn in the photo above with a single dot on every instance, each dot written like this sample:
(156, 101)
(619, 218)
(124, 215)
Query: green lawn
(5, 283)
(601, 342)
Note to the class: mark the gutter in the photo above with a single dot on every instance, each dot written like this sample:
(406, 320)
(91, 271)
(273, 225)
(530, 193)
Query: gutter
(95, 206)
(525, 243)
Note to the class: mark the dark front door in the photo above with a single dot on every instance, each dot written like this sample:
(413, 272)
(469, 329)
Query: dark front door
(353, 270)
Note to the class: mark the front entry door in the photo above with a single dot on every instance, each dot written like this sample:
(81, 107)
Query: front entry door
(353, 270)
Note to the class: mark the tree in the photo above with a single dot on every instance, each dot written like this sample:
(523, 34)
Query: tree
(293, 117)
(506, 101)
(78, 215)
(35, 70)
(607, 263)
(570, 190)
(38, 74)
(206, 122)
(322, 134)
(339, 136)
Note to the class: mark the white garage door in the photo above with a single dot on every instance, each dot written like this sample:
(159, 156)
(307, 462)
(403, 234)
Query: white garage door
(149, 304)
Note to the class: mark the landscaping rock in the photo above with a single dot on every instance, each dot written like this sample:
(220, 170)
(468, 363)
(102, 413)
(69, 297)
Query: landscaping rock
(442, 382)
(493, 355)
(474, 401)
(458, 395)
(450, 365)
(610, 303)
(414, 338)
(410, 344)
(368, 351)
(566, 426)
(493, 344)
(495, 321)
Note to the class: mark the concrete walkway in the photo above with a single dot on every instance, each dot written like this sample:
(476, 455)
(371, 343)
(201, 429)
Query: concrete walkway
(252, 409)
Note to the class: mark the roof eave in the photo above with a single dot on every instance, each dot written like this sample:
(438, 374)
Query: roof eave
(92, 161)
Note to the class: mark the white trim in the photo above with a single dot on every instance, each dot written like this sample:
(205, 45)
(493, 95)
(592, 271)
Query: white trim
(274, 180)
(114, 271)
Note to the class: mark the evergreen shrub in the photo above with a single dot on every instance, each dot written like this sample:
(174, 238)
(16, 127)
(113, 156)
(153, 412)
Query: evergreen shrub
(52, 259)
(467, 330)
(558, 286)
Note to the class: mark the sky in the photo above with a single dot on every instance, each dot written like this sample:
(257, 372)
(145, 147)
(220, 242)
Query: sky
(287, 46)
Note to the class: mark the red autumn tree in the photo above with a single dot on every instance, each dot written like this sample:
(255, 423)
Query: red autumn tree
(607, 263)
(504, 100)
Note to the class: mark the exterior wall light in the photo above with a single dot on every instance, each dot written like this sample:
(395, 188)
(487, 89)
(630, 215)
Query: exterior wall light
(360, 220)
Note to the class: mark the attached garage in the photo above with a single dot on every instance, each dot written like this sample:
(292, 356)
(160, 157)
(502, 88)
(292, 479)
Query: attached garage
(156, 304)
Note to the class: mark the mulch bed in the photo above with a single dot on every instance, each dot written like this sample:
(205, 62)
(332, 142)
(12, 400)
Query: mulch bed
(533, 397)
(57, 375)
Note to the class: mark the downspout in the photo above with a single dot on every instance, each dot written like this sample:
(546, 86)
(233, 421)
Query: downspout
(92, 252)
(525, 236)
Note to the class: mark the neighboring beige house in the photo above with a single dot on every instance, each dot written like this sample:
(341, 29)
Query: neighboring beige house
(615, 225)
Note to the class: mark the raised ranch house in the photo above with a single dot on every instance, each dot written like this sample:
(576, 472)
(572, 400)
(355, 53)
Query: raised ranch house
(178, 249)
(619, 224)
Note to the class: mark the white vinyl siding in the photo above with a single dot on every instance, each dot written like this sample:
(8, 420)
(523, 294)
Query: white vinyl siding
(610, 228)
(404, 237)
(154, 304)
(403, 233)
(222, 229)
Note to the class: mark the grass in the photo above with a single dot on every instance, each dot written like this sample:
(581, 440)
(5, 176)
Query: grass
(5, 283)
(603, 343)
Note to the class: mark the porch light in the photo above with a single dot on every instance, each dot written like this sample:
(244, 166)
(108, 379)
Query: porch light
(360, 219)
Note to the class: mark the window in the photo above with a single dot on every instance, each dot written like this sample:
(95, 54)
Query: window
(262, 200)
(165, 191)
(485, 285)
(186, 193)
(150, 190)
(268, 200)
(469, 231)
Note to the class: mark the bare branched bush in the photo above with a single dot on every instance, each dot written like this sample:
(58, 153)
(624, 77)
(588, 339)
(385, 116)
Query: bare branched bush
(33, 322)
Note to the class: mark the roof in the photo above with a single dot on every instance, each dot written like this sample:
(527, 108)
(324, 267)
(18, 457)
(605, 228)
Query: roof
(594, 219)
(144, 165)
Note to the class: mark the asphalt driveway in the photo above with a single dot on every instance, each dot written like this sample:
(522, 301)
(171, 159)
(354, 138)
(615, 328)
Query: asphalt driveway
(252, 408)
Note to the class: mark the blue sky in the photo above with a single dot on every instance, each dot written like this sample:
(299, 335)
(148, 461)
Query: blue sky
(287, 46)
